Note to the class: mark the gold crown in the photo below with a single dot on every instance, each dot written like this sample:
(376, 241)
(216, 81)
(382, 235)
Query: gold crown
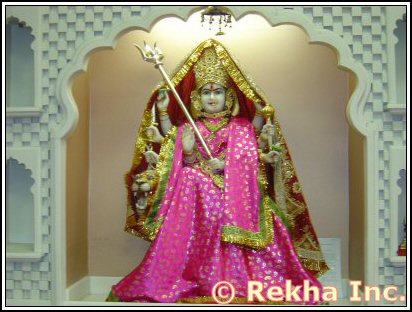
(210, 69)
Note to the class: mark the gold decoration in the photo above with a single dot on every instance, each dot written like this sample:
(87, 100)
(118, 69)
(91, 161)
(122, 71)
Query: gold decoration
(219, 14)
(215, 128)
(268, 111)
(163, 112)
(296, 187)
(224, 113)
(189, 153)
(196, 104)
(291, 208)
(258, 113)
(240, 300)
(209, 69)
(146, 223)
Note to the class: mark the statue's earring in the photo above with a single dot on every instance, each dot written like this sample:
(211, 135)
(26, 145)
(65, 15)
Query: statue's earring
(196, 105)
(232, 103)
(229, 99)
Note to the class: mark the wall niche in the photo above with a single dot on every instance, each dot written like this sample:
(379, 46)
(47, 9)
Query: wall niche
(20, 69)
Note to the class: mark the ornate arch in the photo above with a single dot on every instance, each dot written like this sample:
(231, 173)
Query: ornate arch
(274, 15)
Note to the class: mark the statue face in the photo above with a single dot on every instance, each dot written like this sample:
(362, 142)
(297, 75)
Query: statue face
(213, 97)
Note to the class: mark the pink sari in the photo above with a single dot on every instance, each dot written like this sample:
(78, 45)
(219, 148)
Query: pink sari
(188, 256)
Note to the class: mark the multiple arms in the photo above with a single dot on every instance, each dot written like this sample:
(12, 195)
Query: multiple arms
(189, 144)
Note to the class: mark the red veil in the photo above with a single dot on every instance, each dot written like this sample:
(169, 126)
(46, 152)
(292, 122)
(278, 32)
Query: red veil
(282, 185)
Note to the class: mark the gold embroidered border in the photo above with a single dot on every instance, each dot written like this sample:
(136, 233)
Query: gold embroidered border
(318, 266)
(240, 236)
(163, 169)
(146, 224)
(142, 138)
(240, 300)
(249, 88)
(265, 235)
(112, 298)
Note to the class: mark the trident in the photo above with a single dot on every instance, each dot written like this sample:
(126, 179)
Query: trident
(155, 56)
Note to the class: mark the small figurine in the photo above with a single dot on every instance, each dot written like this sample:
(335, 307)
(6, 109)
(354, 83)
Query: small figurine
(402, 246)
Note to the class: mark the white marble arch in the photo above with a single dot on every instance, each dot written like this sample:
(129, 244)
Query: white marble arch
(30, 158)
(275, 16)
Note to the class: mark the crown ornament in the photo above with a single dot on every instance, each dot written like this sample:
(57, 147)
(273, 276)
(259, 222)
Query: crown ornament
(210, 69)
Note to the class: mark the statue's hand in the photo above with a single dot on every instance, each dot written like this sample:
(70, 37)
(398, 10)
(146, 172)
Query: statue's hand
(271, 157)
(188, 140)
(267, 131)
(151, 157)
(162, 100)
(216, 164)
(153, 134)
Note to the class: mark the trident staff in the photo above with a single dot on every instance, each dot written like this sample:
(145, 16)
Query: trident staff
(155, 56)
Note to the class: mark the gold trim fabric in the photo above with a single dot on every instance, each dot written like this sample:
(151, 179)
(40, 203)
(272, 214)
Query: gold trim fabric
(287, 202)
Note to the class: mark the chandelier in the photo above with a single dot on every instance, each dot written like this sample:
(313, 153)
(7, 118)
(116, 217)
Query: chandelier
(217, 15)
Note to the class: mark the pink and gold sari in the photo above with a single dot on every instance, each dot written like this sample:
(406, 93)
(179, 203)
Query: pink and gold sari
(210, 227)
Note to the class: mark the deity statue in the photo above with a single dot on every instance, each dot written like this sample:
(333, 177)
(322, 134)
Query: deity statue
(231, 211)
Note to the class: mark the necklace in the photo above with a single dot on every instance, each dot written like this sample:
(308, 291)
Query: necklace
(215, 128)
(216, 115)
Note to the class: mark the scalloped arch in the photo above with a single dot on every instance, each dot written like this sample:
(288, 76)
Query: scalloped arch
(22, 165)
(27, 171)
(13, 20)
(274, 16)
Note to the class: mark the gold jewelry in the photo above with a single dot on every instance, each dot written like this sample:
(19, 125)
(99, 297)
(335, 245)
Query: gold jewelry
(190, 153)
(268, 111)
(209, 69)
(190, 158)
(196, 105)
(229, 98)
(224, 113)
(258, 113)
(232, 102)
(163, 112)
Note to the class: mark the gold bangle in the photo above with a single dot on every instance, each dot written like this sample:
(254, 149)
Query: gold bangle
(258, 113)
(189, 154)
(163, 112)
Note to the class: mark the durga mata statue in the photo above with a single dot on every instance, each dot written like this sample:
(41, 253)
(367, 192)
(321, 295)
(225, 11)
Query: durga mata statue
(216, 194)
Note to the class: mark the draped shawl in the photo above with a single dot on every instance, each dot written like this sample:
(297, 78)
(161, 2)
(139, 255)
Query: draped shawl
(273, 191)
